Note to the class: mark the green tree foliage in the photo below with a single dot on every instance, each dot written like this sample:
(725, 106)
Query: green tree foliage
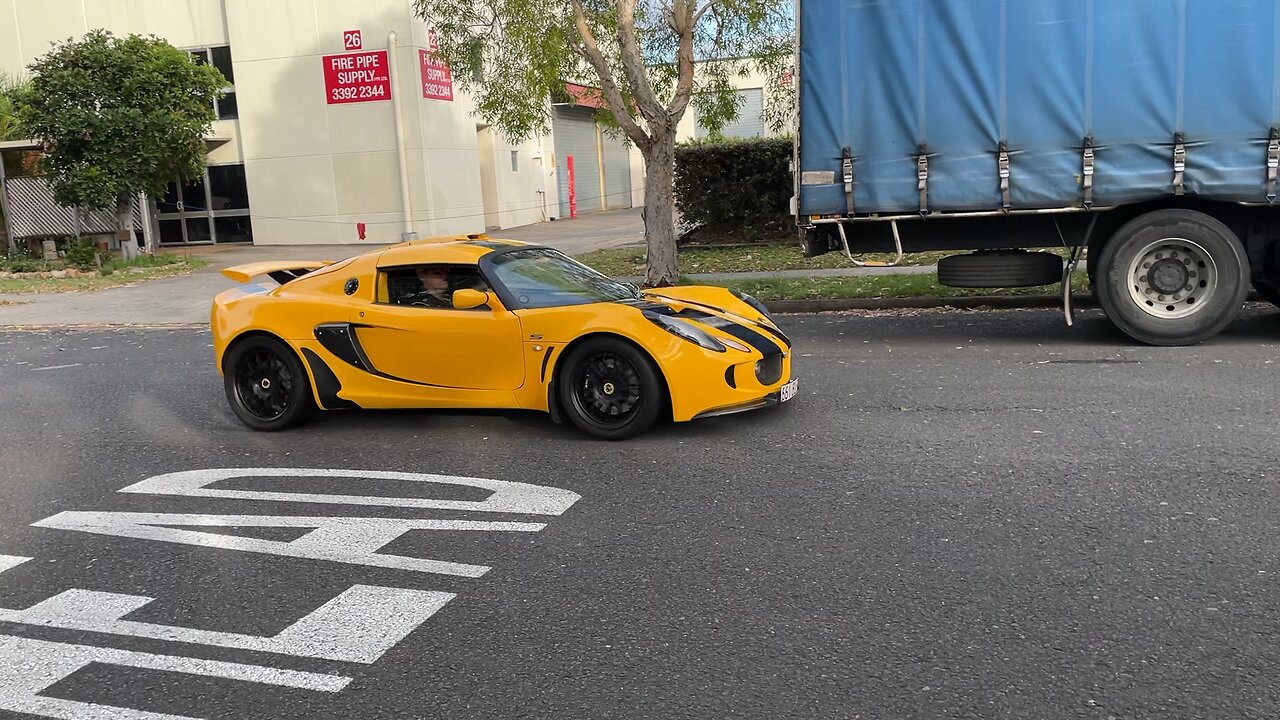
(650, 59)
(9, 88)
(118, 116)
(9, 130)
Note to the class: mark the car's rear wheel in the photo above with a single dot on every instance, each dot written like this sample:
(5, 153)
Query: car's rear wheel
(610, 389)
(266, 384)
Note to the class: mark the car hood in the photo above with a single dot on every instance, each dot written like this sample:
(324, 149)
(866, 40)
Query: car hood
(716, 309)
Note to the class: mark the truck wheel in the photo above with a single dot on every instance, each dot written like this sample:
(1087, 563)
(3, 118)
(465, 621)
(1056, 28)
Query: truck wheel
(1172, 277)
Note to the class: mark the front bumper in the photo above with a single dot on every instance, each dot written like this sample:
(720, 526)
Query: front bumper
(769, 400)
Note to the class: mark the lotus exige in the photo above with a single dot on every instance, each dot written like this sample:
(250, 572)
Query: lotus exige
(472, 322)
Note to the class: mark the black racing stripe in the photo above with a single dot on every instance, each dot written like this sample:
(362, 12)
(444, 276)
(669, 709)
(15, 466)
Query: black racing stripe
(756, 340)
(776, 333)
(546, 359)
(772, 331)
(327, 384)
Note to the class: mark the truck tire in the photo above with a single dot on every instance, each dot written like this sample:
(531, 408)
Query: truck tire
(1001, 269)
(1172, 277)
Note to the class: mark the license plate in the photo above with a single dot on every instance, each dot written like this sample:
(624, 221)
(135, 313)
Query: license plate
(789, 390)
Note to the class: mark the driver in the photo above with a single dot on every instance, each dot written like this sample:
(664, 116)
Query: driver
(435, 288)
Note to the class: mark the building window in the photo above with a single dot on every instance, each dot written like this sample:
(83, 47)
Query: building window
(220, 57)
(211, 209)
(515, 161)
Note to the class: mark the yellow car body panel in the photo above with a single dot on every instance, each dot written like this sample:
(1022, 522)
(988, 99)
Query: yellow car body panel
(245, 273)
(361, 351)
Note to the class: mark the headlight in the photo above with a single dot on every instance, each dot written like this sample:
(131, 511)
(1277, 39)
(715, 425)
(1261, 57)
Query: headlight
(759, 306)
(686, 330)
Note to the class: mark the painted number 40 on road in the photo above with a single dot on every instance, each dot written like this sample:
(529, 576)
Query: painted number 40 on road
(358, 625)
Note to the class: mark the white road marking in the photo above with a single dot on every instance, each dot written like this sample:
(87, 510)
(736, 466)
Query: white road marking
(56, 367)
(507, 497)
(28, 667)
(359, 625)
(352, 540)
(8, 562)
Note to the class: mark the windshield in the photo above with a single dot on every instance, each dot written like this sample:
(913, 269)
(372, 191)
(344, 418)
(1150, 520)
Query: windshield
(541, 277)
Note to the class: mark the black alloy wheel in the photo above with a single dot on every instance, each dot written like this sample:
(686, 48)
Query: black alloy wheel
(610, 389)
(266, 384)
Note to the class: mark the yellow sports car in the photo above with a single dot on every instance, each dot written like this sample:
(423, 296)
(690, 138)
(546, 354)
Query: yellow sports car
(472, 322)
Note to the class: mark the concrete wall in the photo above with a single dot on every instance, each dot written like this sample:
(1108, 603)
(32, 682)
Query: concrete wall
(315, 170)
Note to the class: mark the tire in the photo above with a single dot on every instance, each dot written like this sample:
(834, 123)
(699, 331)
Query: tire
(266, 385)
(814, 242)
(1009, 268)
(610, 389)
(1144, 271)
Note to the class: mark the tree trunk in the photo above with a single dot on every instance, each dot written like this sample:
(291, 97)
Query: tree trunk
(124, 224)
(661, 267)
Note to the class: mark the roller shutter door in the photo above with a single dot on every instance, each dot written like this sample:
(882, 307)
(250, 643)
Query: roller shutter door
(750, 120)
(573, 130)
(617, 174)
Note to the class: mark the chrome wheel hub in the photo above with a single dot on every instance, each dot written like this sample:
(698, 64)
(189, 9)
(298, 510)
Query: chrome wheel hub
(1172, 278)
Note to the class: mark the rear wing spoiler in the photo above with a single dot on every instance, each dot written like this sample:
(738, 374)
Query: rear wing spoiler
(282, 271)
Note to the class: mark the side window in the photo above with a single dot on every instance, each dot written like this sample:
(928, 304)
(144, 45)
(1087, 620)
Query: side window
(430, 286)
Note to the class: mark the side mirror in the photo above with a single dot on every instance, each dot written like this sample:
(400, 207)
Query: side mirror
(468, 299)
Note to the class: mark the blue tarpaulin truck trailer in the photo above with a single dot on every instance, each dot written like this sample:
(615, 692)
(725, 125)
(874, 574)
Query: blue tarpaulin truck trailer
(1147, 131)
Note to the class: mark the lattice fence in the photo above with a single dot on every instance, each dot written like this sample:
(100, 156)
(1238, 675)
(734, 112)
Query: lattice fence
(35, 213)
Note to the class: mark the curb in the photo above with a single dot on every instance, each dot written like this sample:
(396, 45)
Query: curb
(987, 302)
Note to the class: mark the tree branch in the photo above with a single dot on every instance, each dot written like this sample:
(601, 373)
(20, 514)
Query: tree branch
(633, 63)
(703, 10)
(590, 50)
(685, 21)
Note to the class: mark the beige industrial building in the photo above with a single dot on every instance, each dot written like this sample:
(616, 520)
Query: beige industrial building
(338, 126)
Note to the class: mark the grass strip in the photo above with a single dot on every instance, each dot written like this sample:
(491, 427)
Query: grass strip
(882, 286)
(121, 273)
(753, 258)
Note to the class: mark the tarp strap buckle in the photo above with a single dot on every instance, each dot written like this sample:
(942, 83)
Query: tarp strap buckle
(1003, 164)
(922, 179)
(1087, 172)
(846, 170)
(1273, 163)
(1179, 164)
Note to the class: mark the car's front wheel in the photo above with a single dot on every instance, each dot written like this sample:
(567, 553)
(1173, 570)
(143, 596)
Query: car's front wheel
(610, 389)
(266, 384)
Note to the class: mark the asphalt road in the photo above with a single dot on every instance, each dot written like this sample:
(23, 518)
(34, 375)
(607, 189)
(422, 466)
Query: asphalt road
(960, 516)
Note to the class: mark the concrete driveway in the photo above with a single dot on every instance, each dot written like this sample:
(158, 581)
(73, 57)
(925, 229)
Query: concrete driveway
(185, 299)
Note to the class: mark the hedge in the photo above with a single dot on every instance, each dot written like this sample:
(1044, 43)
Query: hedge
(740, 188)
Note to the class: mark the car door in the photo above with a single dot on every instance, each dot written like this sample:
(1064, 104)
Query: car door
(477, 349)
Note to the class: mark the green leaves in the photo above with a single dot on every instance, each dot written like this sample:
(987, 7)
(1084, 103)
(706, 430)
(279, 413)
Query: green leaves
(512, 55)
(118, 116)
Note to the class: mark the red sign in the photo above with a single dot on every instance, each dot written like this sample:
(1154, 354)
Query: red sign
(437, 81)
(356, 77)
(351, 40)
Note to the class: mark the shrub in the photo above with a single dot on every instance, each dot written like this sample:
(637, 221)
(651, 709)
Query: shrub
(735, 187)
(28, 265)
(81, 254)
